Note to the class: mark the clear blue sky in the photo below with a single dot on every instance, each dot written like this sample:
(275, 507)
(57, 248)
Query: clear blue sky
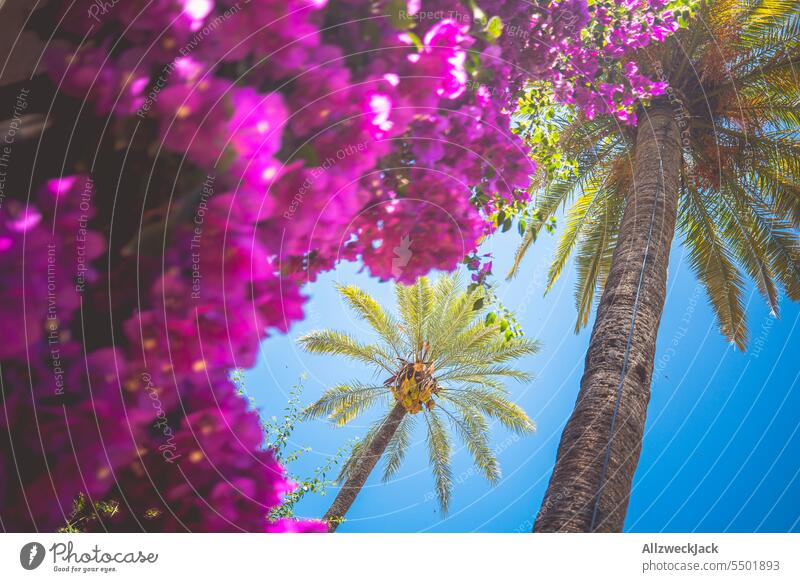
(721, 450)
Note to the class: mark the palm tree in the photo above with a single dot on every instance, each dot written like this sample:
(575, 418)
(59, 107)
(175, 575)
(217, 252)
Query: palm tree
(717, 159)
(443, 359)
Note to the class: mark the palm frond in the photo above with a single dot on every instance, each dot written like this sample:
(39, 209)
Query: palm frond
(396, 449)
(528, 238)
(596, 250)
(439, 453)
(342, 344)
(502, 350)
(782, 242)
(414, 303)
(478, 336)
(445, 293)
(370, 310)
(594, 144)
(494, 404)
(343, 402)
(771, 21)
(745, 240)
(473, 373)
(712, 263)
(473, 429)
(460, 329)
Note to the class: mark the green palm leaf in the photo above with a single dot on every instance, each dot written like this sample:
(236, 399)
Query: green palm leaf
(344, 402)
(341, 344)
(439, 453)
(371, 311)
(396, 450)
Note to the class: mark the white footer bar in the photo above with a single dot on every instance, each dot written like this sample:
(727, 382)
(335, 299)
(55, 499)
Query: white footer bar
(407, 557)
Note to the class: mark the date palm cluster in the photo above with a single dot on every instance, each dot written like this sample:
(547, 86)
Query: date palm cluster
(414, 386)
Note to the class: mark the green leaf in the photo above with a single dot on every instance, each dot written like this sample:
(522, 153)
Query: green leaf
(397, 11)
(494, 28)
(415, 39)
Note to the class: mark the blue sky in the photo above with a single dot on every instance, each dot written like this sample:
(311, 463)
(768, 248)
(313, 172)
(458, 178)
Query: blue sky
(721, 449)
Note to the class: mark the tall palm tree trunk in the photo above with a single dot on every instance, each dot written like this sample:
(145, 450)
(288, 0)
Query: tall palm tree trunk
(375, 448)
(591, 482)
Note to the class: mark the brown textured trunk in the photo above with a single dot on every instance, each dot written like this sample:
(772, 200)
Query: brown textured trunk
(579, 482)
(347, 495)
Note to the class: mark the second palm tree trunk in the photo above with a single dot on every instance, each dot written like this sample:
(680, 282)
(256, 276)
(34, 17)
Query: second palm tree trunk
(591, 482)
(375, 448)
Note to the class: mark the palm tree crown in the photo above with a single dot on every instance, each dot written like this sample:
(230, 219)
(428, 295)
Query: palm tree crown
(733, 87)
(441, 361)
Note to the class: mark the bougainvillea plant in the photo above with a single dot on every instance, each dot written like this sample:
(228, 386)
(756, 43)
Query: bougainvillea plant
(193, 163)
(280, 431)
